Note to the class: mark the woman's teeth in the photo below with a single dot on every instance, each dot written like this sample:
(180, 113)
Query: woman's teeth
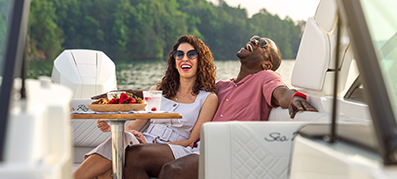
(186, 67)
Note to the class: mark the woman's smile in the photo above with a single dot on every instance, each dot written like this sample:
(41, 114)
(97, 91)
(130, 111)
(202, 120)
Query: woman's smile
(186, 67)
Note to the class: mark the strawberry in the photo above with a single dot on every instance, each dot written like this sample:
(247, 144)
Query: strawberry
(114, 101)
(123, 97)
(132, 101)
(139, 100)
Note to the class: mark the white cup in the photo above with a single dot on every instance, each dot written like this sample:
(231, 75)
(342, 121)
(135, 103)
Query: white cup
(152, 99)
(111, 94)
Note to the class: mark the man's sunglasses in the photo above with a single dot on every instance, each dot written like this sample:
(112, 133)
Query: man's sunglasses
(191, 54)
(262, 44)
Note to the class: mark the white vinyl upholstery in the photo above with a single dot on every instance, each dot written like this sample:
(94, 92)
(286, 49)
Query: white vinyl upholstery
(246, 149)
(314, 51)
(86, 73)
(37, 140)
(282, 115)
(85, 131)
(326, 15)
(315, 68)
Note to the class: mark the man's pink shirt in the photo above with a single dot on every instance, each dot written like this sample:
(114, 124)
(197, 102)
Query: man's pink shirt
(249, 99)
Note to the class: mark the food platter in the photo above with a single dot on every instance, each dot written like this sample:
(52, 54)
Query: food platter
(116, 107)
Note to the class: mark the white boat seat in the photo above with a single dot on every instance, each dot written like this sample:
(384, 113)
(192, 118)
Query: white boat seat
(239, 149)
(246, 149)
(317, 49)
(86, 73)
(280, 114)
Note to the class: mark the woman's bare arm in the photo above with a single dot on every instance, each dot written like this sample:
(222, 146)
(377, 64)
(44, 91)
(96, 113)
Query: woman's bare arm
(137, 124)
(206, 114)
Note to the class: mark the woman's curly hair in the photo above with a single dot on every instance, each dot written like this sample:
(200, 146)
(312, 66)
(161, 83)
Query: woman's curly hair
(206, 69)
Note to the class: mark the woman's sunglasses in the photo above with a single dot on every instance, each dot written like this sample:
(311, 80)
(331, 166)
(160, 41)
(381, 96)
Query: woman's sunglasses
(262, 44)
(191, 54)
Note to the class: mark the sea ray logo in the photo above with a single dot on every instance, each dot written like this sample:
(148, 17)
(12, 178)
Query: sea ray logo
(277, 137)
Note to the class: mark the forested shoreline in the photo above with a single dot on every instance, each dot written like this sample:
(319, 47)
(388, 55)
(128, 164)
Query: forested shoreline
(147, 29)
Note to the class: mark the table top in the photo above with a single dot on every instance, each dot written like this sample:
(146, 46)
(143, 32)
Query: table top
(126, 115)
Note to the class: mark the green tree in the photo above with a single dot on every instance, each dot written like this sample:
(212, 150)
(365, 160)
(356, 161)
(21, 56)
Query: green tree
(147, 29)
(46, 39)
(69, 20)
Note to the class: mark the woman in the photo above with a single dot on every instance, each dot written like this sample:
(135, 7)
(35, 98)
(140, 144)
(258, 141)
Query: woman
(188, 88)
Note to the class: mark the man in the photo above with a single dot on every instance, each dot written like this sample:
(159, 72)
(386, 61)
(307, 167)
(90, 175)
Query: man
(249, 97)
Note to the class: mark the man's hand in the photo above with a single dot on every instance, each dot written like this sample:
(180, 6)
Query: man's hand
(299, 104)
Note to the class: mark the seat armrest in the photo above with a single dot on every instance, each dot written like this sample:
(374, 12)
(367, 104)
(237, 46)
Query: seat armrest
(246, 149)
(279, 114)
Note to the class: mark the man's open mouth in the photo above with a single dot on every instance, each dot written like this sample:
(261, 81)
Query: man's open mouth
(249, 47)
(185, 67)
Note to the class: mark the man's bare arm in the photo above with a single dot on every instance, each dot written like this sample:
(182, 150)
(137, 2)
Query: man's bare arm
(282, 97)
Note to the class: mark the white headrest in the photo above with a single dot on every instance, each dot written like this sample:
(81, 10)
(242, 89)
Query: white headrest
(326, 15)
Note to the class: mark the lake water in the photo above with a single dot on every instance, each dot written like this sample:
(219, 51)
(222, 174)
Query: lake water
(145, 74)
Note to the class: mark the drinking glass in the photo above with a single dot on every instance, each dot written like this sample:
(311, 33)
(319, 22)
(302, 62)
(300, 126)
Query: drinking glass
(152, 99)
(112, 93)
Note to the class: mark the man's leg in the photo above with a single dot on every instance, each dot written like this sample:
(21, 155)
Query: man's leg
(146, 160)
(184, 167)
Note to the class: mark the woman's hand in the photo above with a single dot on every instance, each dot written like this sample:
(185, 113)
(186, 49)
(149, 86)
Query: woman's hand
(103, 126)
(139, 136)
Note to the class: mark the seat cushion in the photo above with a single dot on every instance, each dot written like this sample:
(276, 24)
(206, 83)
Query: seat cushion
(312, 59)
(246, 149)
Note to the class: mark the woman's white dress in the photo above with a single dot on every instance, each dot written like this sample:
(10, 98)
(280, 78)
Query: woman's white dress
(162, 130)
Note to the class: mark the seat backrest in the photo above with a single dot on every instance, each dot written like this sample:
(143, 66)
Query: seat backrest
(315, 62)
(85, 72)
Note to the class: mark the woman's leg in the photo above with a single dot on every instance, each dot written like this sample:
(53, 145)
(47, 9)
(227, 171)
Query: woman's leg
(93, 166)
(184, 167)
(145, 160)
(106, 175)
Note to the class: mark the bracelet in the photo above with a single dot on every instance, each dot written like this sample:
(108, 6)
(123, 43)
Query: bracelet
(297, 93)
